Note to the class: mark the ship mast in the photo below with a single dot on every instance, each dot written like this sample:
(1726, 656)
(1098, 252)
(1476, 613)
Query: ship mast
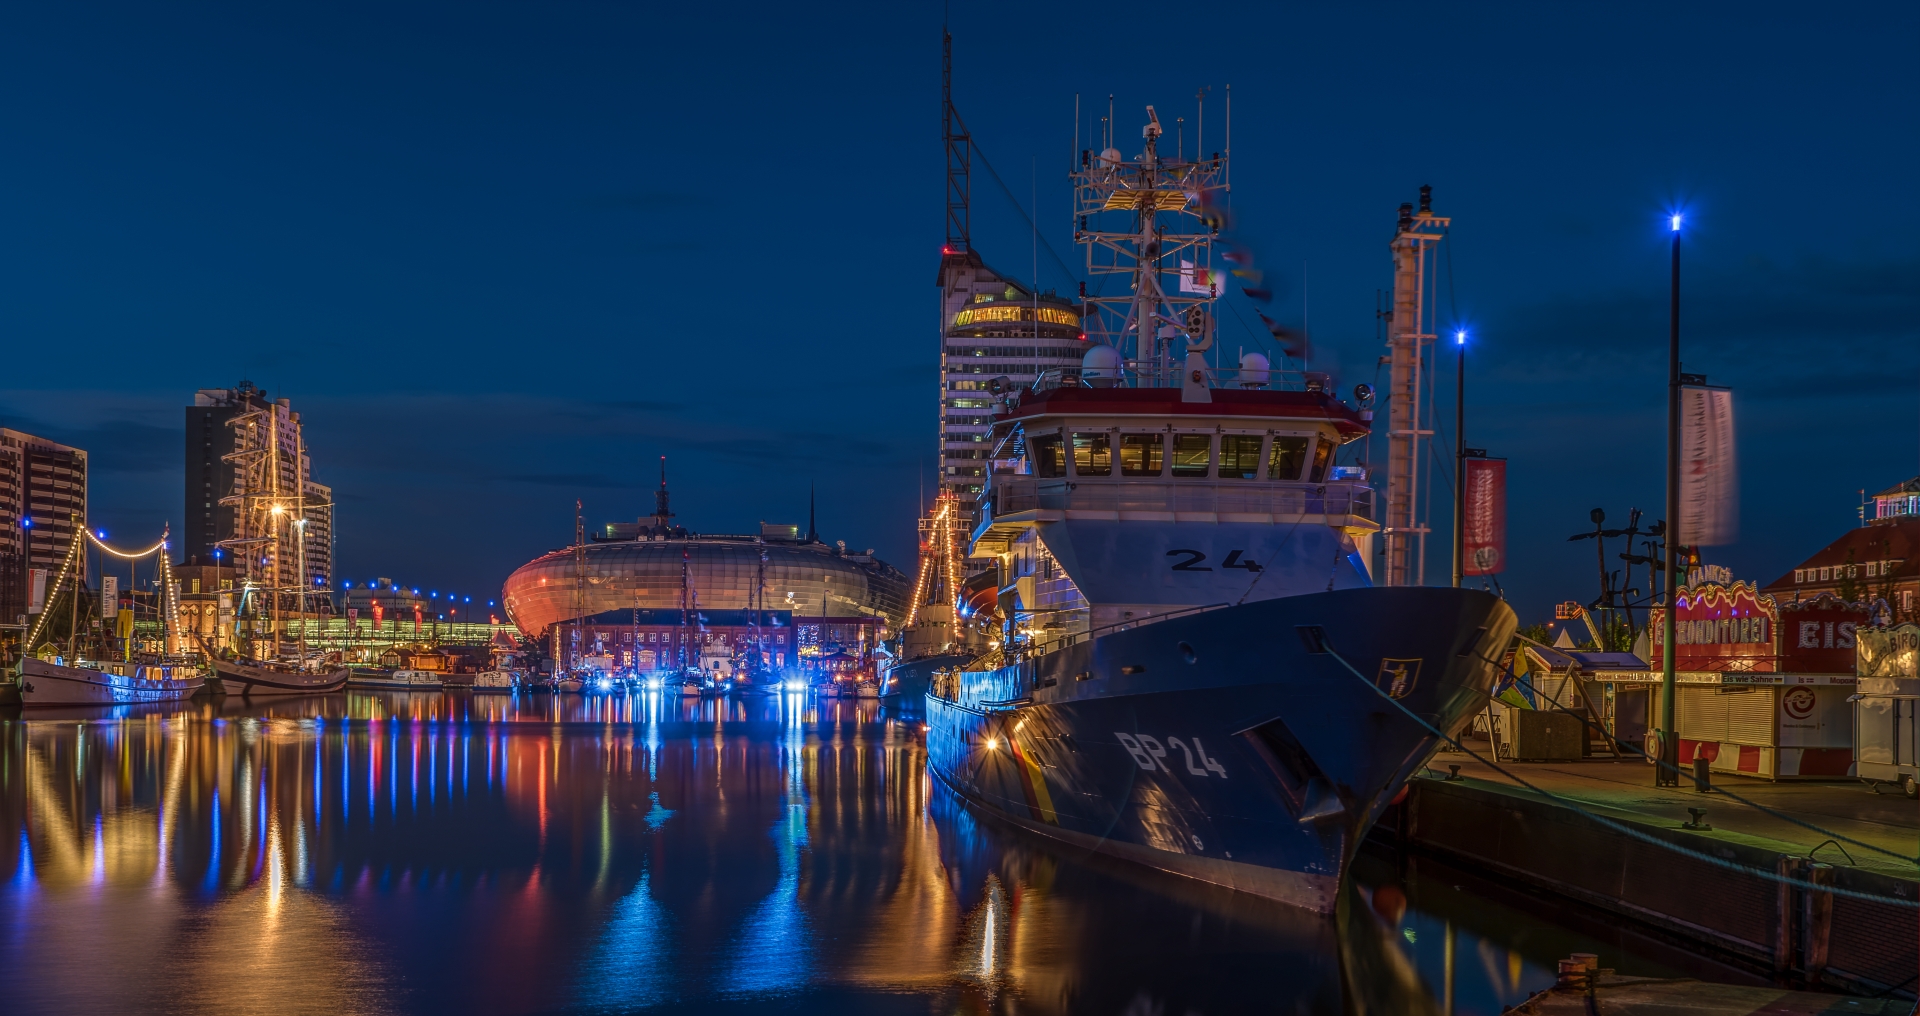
(1408, 335)
(579, 585)
(1154, 220)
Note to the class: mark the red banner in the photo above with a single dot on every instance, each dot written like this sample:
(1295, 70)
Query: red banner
(1484, 535)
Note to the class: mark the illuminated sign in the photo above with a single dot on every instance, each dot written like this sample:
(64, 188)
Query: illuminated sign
(1009, 312)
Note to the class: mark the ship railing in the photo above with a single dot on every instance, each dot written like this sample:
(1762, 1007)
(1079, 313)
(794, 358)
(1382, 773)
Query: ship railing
(1216, 496)
(1134, 622)
(1134, 374)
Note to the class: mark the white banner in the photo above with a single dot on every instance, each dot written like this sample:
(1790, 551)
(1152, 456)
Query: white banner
(37, 591)
(1203, 281)
(1709, 474)
(109, 596)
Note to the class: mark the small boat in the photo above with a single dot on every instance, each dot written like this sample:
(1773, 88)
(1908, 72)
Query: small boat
(493, 681)
(89, 682)
(400, 680)
(255, 680)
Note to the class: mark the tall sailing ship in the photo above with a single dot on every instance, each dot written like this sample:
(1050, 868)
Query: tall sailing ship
(91, 670)
(1191, 665)
(270, 495)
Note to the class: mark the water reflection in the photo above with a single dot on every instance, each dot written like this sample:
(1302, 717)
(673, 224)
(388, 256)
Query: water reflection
(475, 853)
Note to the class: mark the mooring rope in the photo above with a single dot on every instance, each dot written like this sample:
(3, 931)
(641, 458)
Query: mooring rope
(1810, 827)
(1619, 827)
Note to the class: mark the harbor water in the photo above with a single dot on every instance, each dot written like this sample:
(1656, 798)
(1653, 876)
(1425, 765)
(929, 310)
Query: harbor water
(430, 852)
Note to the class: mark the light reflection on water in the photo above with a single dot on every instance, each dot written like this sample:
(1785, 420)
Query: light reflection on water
(427, 852)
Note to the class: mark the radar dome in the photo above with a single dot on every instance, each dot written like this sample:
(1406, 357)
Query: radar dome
(1100, 366)
(1254, 370)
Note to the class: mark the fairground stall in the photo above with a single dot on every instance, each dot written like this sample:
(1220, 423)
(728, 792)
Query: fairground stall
(1763, 688)
(1883, 717)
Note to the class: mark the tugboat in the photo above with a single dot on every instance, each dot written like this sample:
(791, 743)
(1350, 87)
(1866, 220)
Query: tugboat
(1193, 668)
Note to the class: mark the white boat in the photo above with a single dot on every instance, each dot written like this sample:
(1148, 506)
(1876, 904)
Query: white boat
(105, 683)
(493, 681)
(402, 680)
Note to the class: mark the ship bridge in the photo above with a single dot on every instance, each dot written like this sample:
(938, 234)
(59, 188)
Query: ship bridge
(1115, 504)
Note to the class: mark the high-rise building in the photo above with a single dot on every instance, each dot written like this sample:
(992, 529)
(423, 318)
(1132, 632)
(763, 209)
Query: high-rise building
(43, 486)
(992, 327)
(251, 499)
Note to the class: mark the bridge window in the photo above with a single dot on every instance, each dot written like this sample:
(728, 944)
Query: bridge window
(1322, 456)
(1240, 456)
(1049, 457)
(1192, 454)
(1141, 454)
(1093, 454)
(1288, 455)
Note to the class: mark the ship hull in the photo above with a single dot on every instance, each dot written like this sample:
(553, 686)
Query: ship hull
(259, 682)
(48, 684)
(1219, 745)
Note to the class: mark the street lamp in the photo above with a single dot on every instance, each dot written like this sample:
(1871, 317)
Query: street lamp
(1460, 459)
(1667, 774)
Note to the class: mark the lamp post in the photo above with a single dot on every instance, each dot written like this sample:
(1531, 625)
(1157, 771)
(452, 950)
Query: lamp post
(1460, 460)
(1667, 774)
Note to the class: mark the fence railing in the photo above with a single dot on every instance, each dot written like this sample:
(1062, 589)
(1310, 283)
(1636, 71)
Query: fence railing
(1017, 494)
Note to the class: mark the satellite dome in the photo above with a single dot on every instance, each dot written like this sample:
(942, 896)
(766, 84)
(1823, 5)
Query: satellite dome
(1253, 370)
(1100, 367)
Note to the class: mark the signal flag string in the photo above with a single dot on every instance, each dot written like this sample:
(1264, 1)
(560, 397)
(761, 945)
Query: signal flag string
(1619, 827)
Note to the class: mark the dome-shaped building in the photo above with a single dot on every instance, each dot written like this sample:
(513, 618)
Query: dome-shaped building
(646, 566)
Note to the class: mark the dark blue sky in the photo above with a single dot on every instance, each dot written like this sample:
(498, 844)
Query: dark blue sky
(503, 256)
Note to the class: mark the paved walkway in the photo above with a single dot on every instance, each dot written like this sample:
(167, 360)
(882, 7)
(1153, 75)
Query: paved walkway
(1625, 791)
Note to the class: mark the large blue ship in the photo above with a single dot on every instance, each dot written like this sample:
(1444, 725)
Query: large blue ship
(1188, 662)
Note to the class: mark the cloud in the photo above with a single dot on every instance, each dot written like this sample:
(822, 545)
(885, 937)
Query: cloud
(590, 481)
(113, 446)
(1777, 331)
(645, 201)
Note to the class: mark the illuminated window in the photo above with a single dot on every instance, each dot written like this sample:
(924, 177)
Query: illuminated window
(1092, 454)
(1192, 454)
(1048, 455)
(1322, 455)
(1142, 454)
(1288, 455)
(1240, 456)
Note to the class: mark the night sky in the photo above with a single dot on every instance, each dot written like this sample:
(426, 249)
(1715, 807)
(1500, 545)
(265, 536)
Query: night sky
(504, 256)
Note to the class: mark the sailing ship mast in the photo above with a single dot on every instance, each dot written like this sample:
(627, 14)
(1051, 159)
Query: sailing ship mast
(579, 584)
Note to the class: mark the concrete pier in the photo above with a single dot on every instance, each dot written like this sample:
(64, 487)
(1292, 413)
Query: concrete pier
(1800, 937)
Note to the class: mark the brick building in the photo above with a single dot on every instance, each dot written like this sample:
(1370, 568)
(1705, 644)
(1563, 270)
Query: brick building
(1879, 560)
